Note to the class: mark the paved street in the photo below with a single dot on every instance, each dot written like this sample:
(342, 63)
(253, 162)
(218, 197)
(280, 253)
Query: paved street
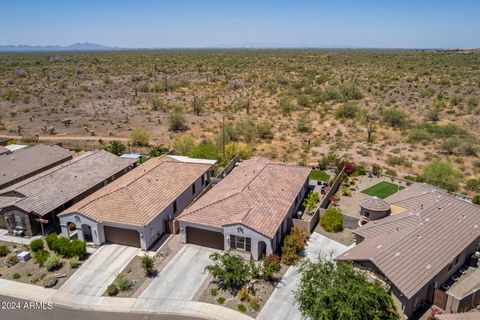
(281, 305)
(60, 313)
(101, 268)
(182, 276)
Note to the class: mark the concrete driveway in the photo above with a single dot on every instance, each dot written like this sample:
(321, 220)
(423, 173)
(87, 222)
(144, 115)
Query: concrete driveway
(101, 268)
(182, 277)
(281, 304)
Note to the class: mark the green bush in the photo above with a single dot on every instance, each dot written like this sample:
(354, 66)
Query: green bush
(348, 110)
(74, 262)
(228, 270)
(11, 259)
(147, 263)
(36, 245)
(49, 281)
(4, 251)
(53, 262)
(78, 249)
(123, 283)
(68, 248)
(16, 276)
(40, 256)
(270, 266)
(221, 300)
(50, 238)
(213, 292)
(293, 244)
(112, 290)
(332, 220)
(61, 245)
(476, 199)
(241, 307)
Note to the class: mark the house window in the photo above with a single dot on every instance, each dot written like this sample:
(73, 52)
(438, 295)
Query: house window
(175, 206)
(203, 179)
(240, 243)
(18, 221)
(193, 188)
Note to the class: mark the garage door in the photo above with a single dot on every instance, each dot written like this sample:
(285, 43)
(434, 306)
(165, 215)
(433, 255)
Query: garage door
(123, 236)
(205, 238)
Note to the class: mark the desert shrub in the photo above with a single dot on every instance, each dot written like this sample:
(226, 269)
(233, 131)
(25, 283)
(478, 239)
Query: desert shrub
(270, 266)
(78, 248)
(53, 262)
(221, 300)
(332, 93)
(395, 117)
(49, 281)
(332, 220)
(36, 245)
(255, 270)
(351, 92)
(123, 283)
(213, 291)
(16, 276)
(50, 238)
(303, 123)
(476, 199)
(473, 185)
(115, 147)
(112, 290)
(74, 262)
(241, 307)
(11, 259)
(264, 130)
(147, 263)
(348, 110)
(293, 244)
(393, 160)
(157, 151)
(4, 251)
(254, 303)
(346, 191)
(360, 170)
(442, 174)
(243, 293)
(40, 256)
(205, 150)
(183, 144)
(139, 137)
(228, 270)
(177, 120)
(234, 148)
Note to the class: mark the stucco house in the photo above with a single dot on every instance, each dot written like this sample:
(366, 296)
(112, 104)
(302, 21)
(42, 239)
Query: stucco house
(429, 237)
(249, 211)
(139, 207)
(46, 194)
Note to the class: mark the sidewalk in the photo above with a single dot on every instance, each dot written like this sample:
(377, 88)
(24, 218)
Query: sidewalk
(111, 304)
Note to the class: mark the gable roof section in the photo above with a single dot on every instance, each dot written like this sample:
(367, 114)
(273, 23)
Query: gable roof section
(425, 242)
(258, 194)
(50, 189)
(140, 195)
(25, 162)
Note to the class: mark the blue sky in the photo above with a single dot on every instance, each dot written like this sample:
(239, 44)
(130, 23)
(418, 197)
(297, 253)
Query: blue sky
(204, 23)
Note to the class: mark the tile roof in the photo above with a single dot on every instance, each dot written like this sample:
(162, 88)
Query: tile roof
(258, 194)
(411, 248)
(4, 150)
(475, 315)
(140, 195)
(374, 204)
(50, 189)
(24, 162)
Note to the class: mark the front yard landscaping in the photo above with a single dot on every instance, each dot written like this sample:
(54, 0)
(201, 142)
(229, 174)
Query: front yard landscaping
(382, 189)
(52, 262)
(246, 286)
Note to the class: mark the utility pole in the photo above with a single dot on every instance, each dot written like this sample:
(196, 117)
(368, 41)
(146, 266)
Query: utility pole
(223, 133)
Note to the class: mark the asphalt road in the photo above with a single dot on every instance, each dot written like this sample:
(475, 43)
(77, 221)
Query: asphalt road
(16, 309)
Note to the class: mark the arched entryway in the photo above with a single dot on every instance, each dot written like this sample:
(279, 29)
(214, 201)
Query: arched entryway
(87, 233)
(72, 230)
(262, 249)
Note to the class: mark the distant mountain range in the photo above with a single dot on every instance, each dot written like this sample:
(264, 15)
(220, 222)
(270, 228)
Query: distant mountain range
(86, 46)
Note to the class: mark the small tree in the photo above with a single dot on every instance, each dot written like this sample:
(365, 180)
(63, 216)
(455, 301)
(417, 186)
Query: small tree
(115, 147)
(139, 137)
(176, 120)
(228, 270)
(338, 291)
(157, 151)
(443, 175)
(332, 220)
(147, 263)
(183, 144)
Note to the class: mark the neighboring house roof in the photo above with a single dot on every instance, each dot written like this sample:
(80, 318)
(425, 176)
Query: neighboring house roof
(24, 162)
(50, 189)
(410, 248)
(140, 195)
(474, 315)
(135, 156)
(16, 147)
(374, 204)
(257, 194)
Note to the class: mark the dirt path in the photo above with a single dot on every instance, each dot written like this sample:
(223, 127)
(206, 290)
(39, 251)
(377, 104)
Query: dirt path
(71, 138)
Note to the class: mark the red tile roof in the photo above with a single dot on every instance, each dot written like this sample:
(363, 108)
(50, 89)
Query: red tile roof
(258, 194)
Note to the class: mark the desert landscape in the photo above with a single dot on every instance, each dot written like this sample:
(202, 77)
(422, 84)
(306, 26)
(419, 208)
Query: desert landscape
(399, 109)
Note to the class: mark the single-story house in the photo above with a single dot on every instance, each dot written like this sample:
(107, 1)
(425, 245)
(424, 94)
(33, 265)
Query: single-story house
(428, 237)
(139, 207)
(25, 163)
(48, 193)
(250, 210)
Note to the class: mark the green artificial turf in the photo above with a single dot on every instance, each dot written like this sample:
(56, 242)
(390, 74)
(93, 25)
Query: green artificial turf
(382, 189)
(319, 175)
